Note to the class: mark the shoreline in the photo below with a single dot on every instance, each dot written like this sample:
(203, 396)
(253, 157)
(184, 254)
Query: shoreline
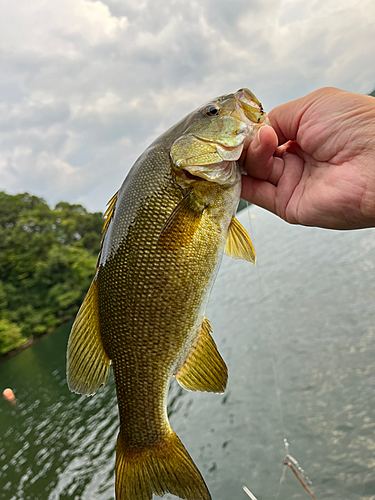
(31, 341)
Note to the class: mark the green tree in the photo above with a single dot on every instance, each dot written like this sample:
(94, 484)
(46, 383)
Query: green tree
(10, 336)
(47, 261)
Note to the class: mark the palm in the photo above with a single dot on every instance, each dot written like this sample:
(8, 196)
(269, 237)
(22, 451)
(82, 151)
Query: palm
(319, 188)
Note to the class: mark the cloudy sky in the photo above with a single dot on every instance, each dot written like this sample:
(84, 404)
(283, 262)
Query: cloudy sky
(86, 85)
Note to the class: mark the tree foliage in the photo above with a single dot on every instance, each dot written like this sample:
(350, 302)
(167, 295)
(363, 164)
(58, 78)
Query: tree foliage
(10, 336)
(47, 261)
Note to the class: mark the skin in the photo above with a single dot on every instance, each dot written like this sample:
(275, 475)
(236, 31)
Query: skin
(316, 165)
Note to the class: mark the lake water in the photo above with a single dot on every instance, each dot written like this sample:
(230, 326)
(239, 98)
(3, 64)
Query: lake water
(298, 335)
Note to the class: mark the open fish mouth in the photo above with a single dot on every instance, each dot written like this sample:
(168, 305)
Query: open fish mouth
(249, 110)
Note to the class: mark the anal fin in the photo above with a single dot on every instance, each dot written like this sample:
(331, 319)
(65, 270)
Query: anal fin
(87, 363)
(239, 245)
(204, 369)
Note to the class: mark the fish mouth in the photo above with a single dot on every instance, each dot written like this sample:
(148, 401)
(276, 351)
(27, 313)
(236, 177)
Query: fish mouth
(248, 108)
(250, 111)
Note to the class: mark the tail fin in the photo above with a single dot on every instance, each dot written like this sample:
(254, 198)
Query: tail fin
(166, 467)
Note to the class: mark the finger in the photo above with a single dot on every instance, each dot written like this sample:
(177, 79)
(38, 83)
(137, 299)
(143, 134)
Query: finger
(289, 188)
(277, 171)
(284, 122)
(257, 159)
(285, 119)
(261, 193)
(274, 167)
(280, 150)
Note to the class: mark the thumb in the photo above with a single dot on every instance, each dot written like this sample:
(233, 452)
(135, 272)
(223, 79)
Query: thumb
(285, 119)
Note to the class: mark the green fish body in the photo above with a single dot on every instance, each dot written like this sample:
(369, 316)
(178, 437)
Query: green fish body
(164, 237)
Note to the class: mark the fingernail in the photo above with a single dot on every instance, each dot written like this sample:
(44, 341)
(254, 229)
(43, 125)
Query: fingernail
(256, 141)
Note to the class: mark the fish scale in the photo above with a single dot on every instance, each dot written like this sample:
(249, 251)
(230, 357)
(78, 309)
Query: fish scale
(163, 318)
(166, 232)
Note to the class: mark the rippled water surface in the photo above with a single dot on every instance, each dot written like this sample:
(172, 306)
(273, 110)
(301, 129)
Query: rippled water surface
(298, 335)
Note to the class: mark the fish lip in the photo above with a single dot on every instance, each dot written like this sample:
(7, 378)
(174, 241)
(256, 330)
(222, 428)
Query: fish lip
(250, 111)
(248, 108)
(246, 96)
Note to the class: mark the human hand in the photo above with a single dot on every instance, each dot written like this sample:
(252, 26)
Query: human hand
(323, 172)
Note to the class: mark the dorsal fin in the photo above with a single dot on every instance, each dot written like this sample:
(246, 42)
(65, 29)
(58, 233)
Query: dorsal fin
(239, 244)
(108, 214)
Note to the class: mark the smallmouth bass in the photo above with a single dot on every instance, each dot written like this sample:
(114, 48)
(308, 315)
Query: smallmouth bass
(166, 231)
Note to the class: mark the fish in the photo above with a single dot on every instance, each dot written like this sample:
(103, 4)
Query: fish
(165, 232)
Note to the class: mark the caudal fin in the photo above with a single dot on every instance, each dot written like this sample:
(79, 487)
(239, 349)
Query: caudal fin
(166, 467)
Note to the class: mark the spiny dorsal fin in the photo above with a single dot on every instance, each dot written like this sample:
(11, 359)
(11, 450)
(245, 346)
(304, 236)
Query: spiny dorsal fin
(204, 369)
(109, 212)
(239, 244)
(181, 225)
(87, 363)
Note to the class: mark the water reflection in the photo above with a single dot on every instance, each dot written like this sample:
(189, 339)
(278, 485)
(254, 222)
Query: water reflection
(56, 445)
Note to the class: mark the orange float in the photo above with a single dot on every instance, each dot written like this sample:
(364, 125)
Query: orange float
(9, 395)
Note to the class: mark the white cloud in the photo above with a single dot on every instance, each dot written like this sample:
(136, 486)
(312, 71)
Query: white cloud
(48, 29)
(108, 104)
(87, 85)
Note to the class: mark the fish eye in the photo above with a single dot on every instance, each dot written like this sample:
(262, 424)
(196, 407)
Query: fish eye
(212, 110)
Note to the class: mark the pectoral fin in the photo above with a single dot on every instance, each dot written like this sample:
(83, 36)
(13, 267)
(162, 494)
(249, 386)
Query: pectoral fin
(87, 363)
(181, 225)
(204, 369)
(239, 244)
